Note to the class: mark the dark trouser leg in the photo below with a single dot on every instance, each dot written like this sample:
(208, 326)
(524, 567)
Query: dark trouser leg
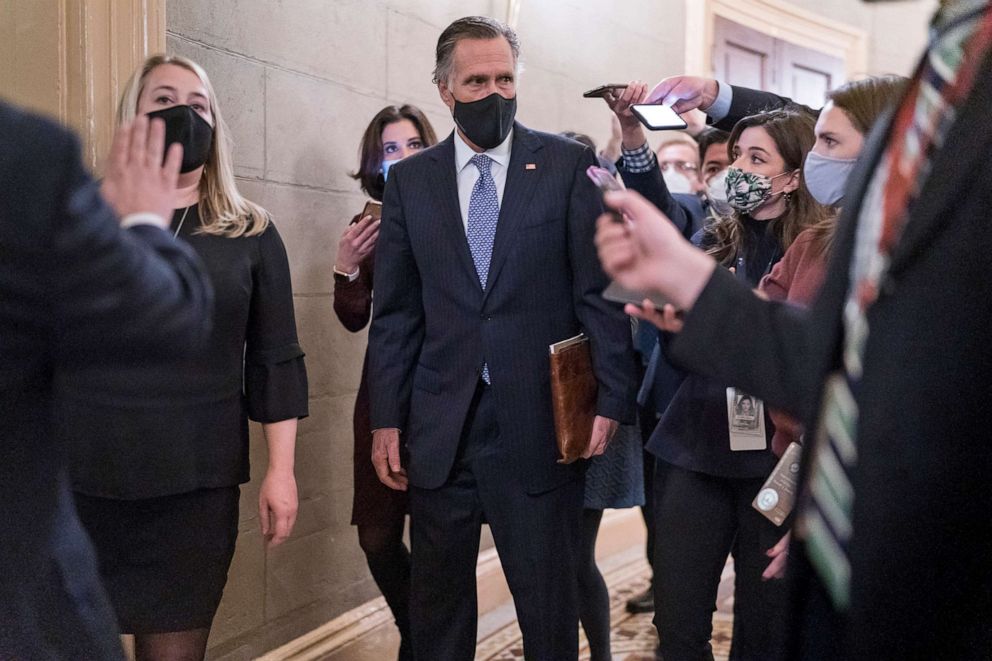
(648, 421)
(389, 563)
(594, 599)
(537, 537)
(758, 604)
(445, 524)
(697, 517)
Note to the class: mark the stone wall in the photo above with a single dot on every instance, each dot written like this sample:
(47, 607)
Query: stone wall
(298, 81)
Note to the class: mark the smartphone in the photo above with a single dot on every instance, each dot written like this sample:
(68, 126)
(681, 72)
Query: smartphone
(605, 182)
(658, 117)
(601, 91)
(618, 294)
(372, 208)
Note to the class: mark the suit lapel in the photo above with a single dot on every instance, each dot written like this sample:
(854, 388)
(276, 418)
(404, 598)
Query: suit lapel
(521, 182)
(951, 171)
(446, 192)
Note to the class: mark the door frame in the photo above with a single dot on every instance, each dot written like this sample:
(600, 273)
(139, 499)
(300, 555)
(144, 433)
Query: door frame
(778, 19)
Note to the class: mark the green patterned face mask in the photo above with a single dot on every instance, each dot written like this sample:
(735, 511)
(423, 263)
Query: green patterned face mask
(746, 191)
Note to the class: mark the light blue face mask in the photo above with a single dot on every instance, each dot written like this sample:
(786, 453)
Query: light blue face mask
(388, 164)
(826, 177)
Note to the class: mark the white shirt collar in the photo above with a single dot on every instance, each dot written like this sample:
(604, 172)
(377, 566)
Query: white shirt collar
(500, 153)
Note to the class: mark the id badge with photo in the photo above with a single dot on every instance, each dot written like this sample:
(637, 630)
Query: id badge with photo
(746, 420)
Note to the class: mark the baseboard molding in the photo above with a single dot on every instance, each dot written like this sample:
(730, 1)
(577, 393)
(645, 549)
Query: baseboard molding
(619, 532)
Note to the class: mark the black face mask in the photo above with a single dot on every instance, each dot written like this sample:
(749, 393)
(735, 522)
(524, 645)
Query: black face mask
(185, 126)
(488, 121)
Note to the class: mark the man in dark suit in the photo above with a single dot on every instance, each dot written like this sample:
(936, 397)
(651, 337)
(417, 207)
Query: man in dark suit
(891, 367)
(75, 288)
(485, 258)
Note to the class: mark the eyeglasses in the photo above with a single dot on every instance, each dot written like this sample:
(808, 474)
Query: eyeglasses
(685, 167)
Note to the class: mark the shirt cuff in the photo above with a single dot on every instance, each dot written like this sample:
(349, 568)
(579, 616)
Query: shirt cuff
(350, 277)
(143, 218)
(721, 107)
(640, 160)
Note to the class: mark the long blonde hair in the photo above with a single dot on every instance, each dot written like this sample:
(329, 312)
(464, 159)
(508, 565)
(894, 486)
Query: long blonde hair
(223, 211)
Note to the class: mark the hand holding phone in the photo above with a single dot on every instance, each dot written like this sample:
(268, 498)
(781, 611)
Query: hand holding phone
(601, 91)
(605, 182)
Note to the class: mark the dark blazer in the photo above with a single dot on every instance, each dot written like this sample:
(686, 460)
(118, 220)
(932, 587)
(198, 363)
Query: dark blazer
(434, 327)
(74, 288)
(683, 209)
(921, 577)
(746, 102)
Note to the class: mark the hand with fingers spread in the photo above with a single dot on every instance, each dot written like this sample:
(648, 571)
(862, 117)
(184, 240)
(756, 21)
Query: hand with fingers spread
(684, 93)
(357, 242)
(386, 458)
(136, 179)
(620, 102)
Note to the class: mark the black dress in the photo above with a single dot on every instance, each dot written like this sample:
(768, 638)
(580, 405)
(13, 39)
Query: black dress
(158, 449)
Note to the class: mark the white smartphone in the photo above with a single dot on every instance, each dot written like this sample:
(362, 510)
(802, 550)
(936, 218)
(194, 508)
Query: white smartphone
(658, 117)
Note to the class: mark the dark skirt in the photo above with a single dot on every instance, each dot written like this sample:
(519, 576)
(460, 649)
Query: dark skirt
(164, 561)
(374, 503)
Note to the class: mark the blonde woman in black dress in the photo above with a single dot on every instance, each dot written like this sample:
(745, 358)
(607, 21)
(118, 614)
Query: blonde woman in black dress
(158, 487)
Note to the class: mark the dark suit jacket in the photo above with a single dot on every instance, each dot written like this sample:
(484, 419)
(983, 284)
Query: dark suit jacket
(434, 327)
(74, 288)
(746, 102)
(921, 575)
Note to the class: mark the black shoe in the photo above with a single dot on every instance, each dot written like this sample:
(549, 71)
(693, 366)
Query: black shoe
(642, 603)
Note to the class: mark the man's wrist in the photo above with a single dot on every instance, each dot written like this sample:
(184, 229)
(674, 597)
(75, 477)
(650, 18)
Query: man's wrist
(348, 274)
(143, 218)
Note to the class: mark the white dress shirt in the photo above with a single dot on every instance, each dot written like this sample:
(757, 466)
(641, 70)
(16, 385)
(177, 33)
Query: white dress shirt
(468, 174)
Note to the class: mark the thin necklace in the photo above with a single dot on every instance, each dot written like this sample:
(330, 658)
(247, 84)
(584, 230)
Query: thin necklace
(181, 221)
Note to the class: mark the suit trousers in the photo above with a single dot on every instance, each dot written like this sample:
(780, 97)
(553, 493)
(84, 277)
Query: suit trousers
(701, 518)
(537, 538)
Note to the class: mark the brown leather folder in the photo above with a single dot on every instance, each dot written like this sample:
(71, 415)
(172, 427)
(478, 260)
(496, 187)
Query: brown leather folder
(573, 396)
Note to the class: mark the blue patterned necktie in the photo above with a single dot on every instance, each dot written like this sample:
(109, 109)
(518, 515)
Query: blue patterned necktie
(483, 213)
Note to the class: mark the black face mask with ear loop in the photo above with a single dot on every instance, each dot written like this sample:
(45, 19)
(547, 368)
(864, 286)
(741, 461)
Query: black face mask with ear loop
(185, 126)
(488, 121)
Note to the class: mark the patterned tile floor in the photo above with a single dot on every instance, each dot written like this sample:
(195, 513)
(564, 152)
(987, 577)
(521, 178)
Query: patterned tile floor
(633, 636)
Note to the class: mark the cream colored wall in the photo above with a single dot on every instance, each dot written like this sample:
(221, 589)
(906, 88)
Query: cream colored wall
(298, 81)
(897, 30)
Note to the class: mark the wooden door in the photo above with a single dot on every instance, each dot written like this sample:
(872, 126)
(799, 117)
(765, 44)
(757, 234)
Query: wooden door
(748, 58)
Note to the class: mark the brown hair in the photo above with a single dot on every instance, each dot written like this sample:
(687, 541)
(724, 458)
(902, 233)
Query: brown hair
(370, 151)
(708, 137)
(792, 132)
(470, 27)
(223, 211)
(863, 101)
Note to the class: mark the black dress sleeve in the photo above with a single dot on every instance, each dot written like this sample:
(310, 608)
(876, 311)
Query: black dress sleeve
(275, 374)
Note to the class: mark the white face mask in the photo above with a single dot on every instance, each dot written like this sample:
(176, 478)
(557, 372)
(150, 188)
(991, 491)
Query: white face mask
(716, 191)
(676, 181)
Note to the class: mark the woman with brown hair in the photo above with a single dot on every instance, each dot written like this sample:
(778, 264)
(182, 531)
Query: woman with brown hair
(158, 488)
(710, 464)
(378, 511)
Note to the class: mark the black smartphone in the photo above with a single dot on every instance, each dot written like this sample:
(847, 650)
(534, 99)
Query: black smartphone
(618, 294)
(605, 182)
(603, 90)
(658, 117)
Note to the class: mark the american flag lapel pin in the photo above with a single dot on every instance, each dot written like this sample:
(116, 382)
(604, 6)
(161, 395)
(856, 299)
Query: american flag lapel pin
(530, 166)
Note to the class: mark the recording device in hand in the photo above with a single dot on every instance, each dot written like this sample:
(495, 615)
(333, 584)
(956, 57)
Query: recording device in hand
(372, 208)
(658, 117)
(614, 292)
(601, 91)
